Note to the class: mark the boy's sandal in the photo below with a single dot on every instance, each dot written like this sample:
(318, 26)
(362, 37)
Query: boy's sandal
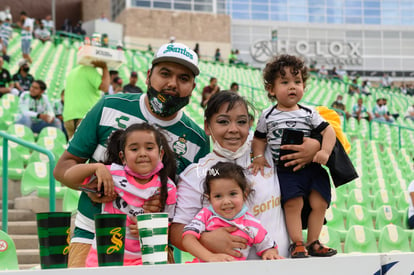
(321, 251)
(298, 250)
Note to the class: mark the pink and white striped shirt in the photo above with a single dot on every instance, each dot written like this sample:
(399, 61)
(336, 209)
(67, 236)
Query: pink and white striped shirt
(248, 226)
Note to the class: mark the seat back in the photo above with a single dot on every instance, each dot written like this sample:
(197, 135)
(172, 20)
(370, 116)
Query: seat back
(357, 197)
(54, 133)
(360, 239)
(359, 215)
(331, 238)
(15, 163)
(393, 239)
(382, 197)
(70, 200)
(25, 133)
(8, 255)
(387, 214)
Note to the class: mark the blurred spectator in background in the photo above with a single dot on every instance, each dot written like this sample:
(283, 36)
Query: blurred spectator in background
(341, 72)
(365, 88)
(67, 25)
(42, 33)
(112, 75)
(386, 81)
(78, 29)
(353, 87)
(234, 87)
(208, 91)
(58, 110)
(22, 80)
(338, 104)
(36, 111)
(26, 24)
(6, 83)
(8, 13)
(360, 111)
(217, 56)
(334, 74)
(380, 111)
(104, 18)
(5, 35)
(83, 89)
(132, 87)
(411, 205)
(117, 85)
(105, 40)
(384, 106)
(410, 113)
(232, 57)
(48, 23)
(323, 73)
(312, 67)
(197, 50)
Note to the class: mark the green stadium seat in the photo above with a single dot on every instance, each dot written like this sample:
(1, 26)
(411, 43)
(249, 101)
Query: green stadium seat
(36, 179)
(25, 133)
(382, 197)
(331, 238)
(54, 133)
(387, 214)
(6, 119)
(15, 164)
(393, 238)
(70, 200)
(359, 215)
(403, 200)
(360, 239)
(335, 220)
(8, 255)
(358, 197)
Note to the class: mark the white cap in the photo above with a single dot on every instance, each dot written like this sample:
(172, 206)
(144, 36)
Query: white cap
(177, 53)
(22, 62)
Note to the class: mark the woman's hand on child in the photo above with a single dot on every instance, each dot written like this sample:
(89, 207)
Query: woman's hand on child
(271, 254)
(221, 241)
(133, 227)
(304, 154)
(153, 204)
(258, 164)
(220, 257)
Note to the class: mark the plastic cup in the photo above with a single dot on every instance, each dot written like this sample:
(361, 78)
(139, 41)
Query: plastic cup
(110, 238)
(53, 230)
(153, 235)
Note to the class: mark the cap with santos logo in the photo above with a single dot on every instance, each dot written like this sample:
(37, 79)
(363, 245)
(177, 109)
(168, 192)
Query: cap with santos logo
(177, 53)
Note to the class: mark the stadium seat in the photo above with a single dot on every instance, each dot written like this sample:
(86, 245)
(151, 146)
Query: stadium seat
(387, 214)
(359, 215)
(70, 200)
(335, 220)
(54, 133)
(25, 133)
(15, 164)
(393, 238)
(36, 179)
(8, 255)
(6, 119)
(403, 200)
(357, 197)
(382, 197)
(360, 239)
(331, 238)
(339, 196)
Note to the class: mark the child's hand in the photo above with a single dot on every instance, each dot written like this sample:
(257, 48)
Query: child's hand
(219, 257)
(133, 227)
(105, 179)
(271, 254)
(153, 204)
(258, 164)
(321, 157)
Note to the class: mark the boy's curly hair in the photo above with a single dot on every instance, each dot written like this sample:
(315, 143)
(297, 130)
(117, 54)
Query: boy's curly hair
(276, 68)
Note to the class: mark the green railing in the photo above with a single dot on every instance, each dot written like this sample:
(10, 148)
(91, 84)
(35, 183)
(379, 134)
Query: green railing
(400, 127)
(52, 191)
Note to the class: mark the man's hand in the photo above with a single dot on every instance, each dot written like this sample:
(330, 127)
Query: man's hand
(221, 241)
(99, 64)
(304, 154)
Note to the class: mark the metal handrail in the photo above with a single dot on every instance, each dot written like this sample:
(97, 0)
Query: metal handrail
(400, 127)
(52, 191)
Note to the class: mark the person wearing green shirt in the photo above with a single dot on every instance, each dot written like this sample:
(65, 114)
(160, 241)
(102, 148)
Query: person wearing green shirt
(170, 82)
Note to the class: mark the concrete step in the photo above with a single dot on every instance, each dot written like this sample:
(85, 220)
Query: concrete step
(25, 241)
(10, 204)
(21, 227)
(29, 266)
(20, 215)
(28, 256)
(36, 204)
(13, 189)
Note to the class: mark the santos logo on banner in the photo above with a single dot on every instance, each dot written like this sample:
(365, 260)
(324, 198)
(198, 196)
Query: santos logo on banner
(327, 52)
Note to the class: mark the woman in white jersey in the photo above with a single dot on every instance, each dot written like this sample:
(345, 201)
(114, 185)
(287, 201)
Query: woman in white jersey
(227, 122)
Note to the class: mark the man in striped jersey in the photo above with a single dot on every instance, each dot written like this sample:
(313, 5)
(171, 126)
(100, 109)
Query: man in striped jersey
(170, 83)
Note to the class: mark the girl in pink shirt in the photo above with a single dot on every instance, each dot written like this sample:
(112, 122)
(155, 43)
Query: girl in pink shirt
(227, 190)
